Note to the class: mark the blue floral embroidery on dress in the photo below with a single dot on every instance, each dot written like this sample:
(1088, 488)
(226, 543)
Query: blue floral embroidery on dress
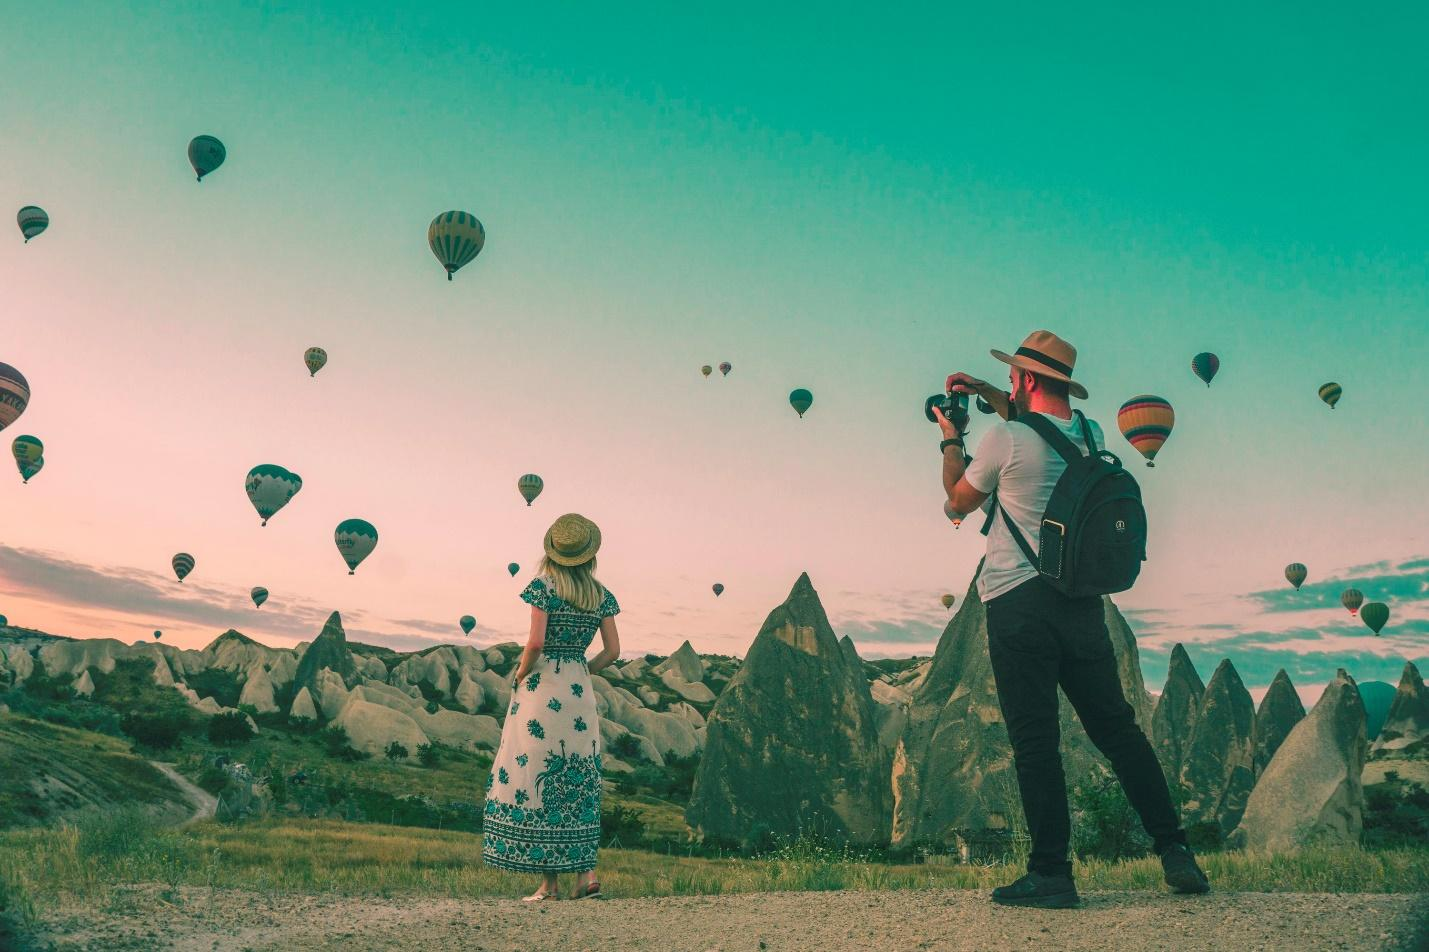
(554, 705)
(522, 796)
(502, 775)
(521, 760)
(515, 706)
(533, 681)
(537, 731)
(576, 689)
(580, 724)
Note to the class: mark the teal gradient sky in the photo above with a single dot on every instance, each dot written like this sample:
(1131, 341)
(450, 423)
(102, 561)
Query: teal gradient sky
(855, 200)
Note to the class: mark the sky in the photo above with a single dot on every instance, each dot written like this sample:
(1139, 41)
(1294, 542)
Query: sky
(851, 199)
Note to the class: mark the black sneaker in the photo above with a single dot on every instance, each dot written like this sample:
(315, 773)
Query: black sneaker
(1043, 892)
(1182, 874)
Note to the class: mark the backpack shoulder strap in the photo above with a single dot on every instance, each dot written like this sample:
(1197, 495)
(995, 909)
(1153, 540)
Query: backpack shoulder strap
(1086, 433)
(1056, 438)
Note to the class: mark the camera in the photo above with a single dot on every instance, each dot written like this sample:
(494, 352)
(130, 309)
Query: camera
(953, 405)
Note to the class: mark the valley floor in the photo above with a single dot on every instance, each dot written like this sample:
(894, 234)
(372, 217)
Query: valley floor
(230, 920)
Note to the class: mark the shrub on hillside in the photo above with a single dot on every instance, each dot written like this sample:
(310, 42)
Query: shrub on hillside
(160, 730)
(1396, 814)
(41, 686)
(626, 747)
(427, 755)
(1104, 825)
(396, 751)
(229, 727)
(220, 684)
(339, 745)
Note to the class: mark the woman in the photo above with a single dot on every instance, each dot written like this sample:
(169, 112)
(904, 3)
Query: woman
(543, 797)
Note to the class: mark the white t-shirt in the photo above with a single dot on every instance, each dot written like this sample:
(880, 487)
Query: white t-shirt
(1012, 459)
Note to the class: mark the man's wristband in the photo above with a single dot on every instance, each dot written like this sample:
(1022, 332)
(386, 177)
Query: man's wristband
(955, 441)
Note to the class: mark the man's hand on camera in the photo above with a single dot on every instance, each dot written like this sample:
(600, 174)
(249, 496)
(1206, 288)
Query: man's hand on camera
(946, 425)
(965, 383)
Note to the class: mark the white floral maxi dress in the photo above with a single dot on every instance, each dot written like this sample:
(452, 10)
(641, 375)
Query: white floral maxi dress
(543, 796)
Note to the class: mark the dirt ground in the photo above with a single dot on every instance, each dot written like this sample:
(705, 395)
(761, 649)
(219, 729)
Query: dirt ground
(145, 918)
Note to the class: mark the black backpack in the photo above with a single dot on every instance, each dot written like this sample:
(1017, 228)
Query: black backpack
(1092, 540)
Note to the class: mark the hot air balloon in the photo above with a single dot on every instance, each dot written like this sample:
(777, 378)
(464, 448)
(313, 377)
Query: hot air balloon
(1146, 422)
(1205, 365)
(513, 568)
(1295, 574)
(801, 400)
(947, 601)
(183, 564)
(718, 589)
(28, 470)
(27, 449)
(315, 358)
(1330, 393)
(955, 517)
(259, 594)
(530, 487)
(725, 367)
(158, 634)
(455, 238)
(467, 624)
(32, 220)
(1375, 615)
(4, 622)
(14, 395)
(1352, 598)
(355, 538)
(206, 154)
(706, 370)
(270, 487)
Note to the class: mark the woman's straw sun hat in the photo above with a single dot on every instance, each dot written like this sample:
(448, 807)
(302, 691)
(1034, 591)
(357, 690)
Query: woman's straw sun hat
(572, 540)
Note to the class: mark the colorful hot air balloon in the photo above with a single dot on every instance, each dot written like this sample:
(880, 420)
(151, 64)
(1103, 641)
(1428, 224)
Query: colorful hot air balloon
(158, 634)
(28, 470)
(14, 395)
(1205, 365)
(706, 370)
(718, 589)
(725, 367)
(1330, 393)
(32, 220)
(1146, 422)
(355, 538)
(315, 358)
(27, 449)
(269, 488)
(259, 594)
(530, 487)
(947, 601)
(1375, 615)
(801, 400)
(467, 624)
(183, 564)
(4, 622)
(1352, 598)
(1295, 574)
(455, 238)
(955, 517)
(513, 568)
(206, 154)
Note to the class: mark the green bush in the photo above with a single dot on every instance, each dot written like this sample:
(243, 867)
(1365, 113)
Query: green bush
(161, 731)
(339, 746)
(621, 821)
(1104, 825)
(626, 747)
(220, 684)
(427, 755)
(396, 751)
(1396, 814)
(229, 727)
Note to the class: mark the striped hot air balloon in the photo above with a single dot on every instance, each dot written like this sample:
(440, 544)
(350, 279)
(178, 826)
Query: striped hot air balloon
(1205, 366)
(801, 400)
(32, 220)
(955, 517)
(717, 588)
(513, 568)
(1295, 574)
(315, 358)
(14, 395)
(28, 470)
(259, 594)
(725, 367)
(530, 487)
(1352, 599)
(355, 538)
(269, 488)
(947, 600)
(183, 564)
(1375, 615)
(455, 238)
(1330, 393)
(1146, 422)
(467, 624)
(206, 154)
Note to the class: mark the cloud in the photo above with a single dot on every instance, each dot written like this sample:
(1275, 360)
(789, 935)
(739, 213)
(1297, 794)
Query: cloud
(1380, 582)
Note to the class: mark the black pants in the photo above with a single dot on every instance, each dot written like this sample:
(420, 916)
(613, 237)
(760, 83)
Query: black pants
(1039, 638)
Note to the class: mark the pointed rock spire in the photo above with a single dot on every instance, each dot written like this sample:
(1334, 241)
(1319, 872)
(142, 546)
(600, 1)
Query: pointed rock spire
(1175, 712)
(1280, 710)
(329, 650)
(1218, 768)
(1406, 728)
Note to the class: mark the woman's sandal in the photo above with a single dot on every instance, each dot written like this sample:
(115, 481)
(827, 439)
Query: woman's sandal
(591, 891)
(539, 896)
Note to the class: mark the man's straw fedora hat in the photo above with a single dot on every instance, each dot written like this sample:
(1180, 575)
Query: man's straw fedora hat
(1047, 355)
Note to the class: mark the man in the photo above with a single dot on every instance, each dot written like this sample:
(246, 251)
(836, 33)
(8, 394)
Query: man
(1039, 638)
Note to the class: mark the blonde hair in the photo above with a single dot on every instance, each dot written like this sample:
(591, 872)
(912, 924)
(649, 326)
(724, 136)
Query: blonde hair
(574, 584)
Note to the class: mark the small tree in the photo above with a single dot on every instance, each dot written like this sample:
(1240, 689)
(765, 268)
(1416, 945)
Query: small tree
(626, 747)
(427, 755)
(229, 727)
(395, 751)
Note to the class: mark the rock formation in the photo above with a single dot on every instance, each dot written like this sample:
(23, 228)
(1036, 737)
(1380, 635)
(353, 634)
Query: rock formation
(1218, 768)
(1377, 697)
(685, 662)
(303, 706)
(1175, 712)
(1405, 733)
(1310, 793)
(792, 743)
(328, 651)
(371, 727)
(952, 769)
(1280, 710)
(258, 691)
(84, 684)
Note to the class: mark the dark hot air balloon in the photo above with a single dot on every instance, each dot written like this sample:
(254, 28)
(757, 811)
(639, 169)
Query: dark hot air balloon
(1205, 365)
(206, 154)
(32, 221)
(530, 487)
(14, 395)
(1146, 422)
(1330, 393)
(4, 622)
(158, 634)
(1295, 574)
(269, 488)
(706, 370)
(801, 400)
(183, 564)
(29, 455)
(1375, 615)
(467, 624)
(456, 238)
(718, 589)
(28, 470)
(315, 358)
(513, 568)
(725, 367)
(355, 539)
(259, 594)
(1352, 598)
(947, 601)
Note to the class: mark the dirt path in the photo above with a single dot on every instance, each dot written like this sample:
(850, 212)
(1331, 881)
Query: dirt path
(237, 921)
(204, 803)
